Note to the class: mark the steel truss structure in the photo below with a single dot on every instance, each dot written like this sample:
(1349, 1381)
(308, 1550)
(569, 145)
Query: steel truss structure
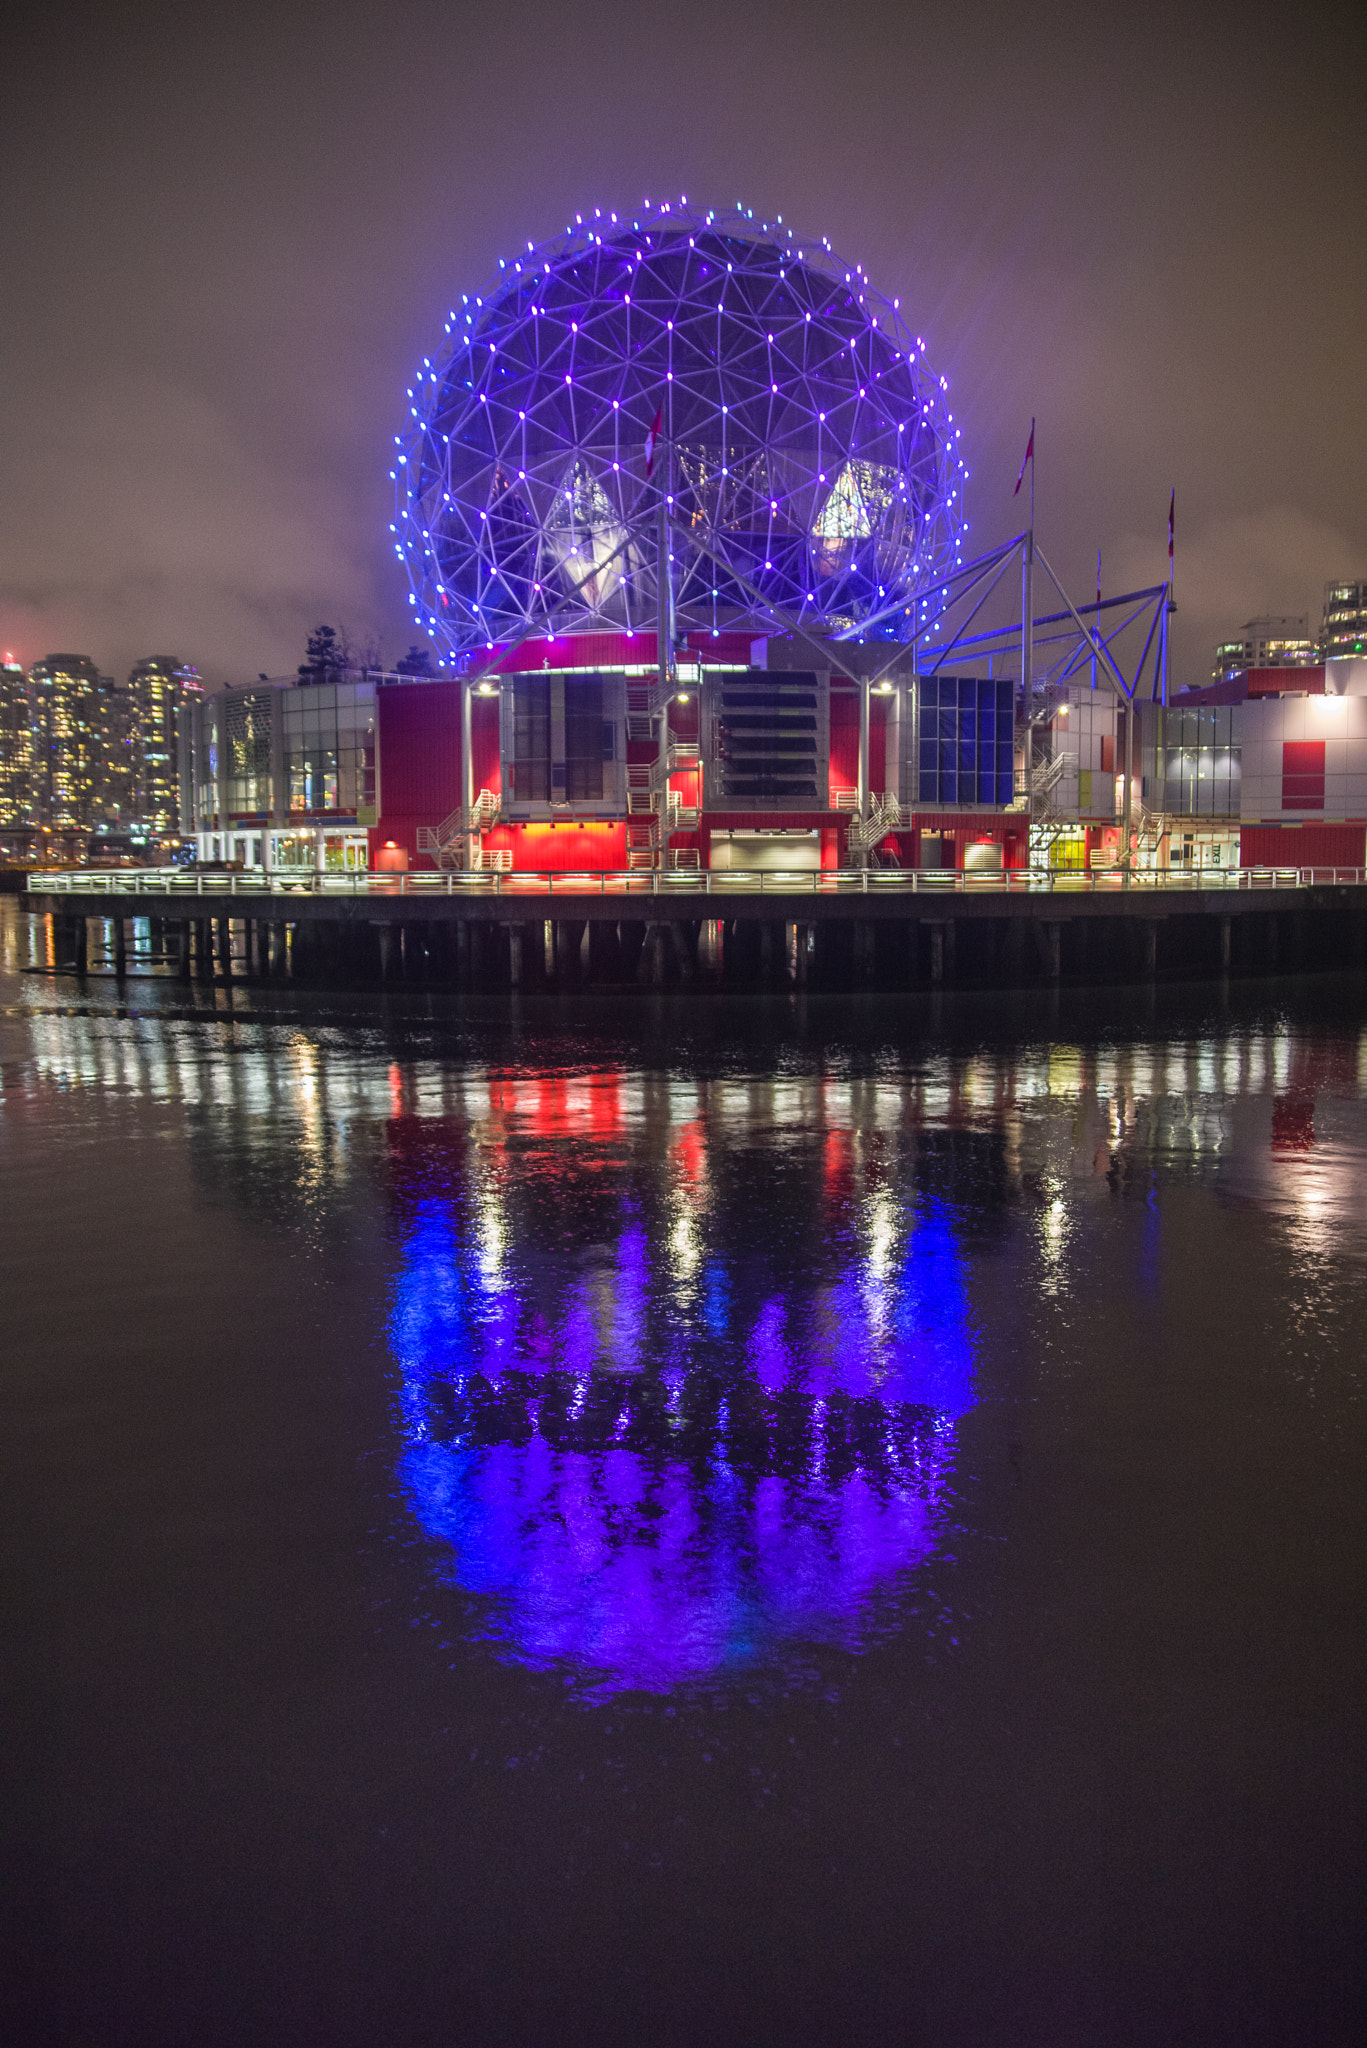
(805, 458)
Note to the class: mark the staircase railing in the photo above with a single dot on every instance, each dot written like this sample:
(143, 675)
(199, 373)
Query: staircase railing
(884, 816)
(443, 840)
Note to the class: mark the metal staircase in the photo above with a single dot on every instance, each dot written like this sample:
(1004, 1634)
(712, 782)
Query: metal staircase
(449, 843)
(1047, 821)
(884, 816)
(645, 706)
(1150, 832)
(641, 842)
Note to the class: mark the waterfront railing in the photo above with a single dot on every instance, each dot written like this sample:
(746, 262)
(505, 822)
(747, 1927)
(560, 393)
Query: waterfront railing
(479, 882)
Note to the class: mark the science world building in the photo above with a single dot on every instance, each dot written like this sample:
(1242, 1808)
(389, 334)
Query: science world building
(670, 492)
(679, 496)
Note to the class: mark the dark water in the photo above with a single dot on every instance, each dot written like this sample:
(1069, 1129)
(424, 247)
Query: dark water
(651, 1522)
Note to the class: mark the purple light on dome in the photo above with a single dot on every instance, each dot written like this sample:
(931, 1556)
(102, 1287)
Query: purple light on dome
(894, 529)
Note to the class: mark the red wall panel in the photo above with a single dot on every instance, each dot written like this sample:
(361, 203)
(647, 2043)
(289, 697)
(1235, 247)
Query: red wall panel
(419, 766)
(418, 726)
(581, 848)
(613, 650)
(1276, 682)
(484, 755)
(1302, 775)
(1303, 846)
(845, 740)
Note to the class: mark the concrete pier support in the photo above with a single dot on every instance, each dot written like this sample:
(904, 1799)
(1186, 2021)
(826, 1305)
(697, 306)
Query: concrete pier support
(650, 968)
(119, 935)
(225, 947)
(1051, 940)
(389, 953)
(1226, 943)
(79, 945)
(204, 948)
(514, 956)
(182, 931)
(941, 951)
(602, 952)
(280, 950)
(863, 940)
(569, 938)
(1150, 947)
(680, 948)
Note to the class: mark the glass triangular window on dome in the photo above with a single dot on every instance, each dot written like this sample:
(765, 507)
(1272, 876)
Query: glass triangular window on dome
(842, 522)
(585, 534)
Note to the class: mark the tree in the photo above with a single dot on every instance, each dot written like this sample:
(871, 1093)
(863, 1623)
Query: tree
(417, 662)
(326, 656)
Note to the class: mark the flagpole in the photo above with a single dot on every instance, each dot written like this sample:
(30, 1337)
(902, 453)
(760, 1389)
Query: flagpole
(1172, 585)
(665, 636)
(1172, 568)
(1028, 592)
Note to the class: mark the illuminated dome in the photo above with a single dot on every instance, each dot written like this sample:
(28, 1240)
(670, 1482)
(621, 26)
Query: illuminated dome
(807, 451)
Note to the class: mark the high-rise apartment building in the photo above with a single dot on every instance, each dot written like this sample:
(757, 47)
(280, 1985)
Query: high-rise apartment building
(16, 757)
(117, 803)
(159, 687)
(1267, 643)
(66, 722)
(1345, 620)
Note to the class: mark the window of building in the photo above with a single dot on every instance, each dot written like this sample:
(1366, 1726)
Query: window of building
(964, 740)
(584, 739)
(530, 764)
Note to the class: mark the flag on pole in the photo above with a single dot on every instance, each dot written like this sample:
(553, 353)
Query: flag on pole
(1029, 458)
(1172, 507)
(656, 426)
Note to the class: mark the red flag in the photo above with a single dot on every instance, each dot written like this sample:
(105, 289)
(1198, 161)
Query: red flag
(653, 436)
(1172, 507)
(1029, 458)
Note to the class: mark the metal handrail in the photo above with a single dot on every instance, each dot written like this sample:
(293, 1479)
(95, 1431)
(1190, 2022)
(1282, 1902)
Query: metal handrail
(254, 886)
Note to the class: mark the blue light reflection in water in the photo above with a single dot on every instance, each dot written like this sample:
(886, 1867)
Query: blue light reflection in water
(648, 1481)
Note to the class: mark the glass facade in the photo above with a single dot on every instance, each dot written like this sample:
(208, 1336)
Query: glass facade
(329, 743)
(1201, 763)
(280, 751)
(559, 739)
(964, 740)
(245, 753)
(530, 763)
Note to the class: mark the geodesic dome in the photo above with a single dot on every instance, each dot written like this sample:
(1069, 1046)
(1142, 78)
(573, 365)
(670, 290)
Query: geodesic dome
(807, 454)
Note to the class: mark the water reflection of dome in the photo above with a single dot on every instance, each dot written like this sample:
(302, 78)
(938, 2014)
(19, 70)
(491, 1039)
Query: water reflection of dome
(657, 1505)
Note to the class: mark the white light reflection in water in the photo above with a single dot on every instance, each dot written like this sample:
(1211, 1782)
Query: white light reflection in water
(735, 1449)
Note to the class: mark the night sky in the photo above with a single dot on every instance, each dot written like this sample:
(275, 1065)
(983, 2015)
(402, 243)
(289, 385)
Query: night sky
(229, 234)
